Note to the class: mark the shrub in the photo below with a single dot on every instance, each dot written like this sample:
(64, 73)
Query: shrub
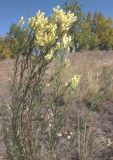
(5, 52)
(38, 114)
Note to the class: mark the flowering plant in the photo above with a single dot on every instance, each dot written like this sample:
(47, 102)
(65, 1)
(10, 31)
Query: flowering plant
(52, 32)
(38, 114)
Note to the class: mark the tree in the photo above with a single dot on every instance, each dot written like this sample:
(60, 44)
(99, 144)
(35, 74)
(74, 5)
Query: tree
(75, 30)
(103, 30)
(91, 30)
(16, 38)
(5, 51)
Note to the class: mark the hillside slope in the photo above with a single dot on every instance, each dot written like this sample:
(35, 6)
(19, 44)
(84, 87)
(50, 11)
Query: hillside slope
(85, 64)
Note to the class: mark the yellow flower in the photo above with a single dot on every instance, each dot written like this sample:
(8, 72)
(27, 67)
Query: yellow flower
(21, 21)
(65, 20)
(66, 40)
(53, 30)
(74, 81)
(49, 56)
(66, 62)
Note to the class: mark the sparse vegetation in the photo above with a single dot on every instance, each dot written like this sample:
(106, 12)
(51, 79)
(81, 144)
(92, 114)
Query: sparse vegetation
(59, 105)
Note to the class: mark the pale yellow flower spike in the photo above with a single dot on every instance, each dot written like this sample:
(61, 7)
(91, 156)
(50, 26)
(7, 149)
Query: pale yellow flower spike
(48, 57)
(21, 21)
(56, 27)
(74, 81)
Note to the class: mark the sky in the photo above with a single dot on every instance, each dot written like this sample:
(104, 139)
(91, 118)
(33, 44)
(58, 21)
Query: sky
(12, 10)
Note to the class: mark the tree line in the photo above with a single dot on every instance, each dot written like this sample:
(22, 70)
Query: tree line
(91, 30)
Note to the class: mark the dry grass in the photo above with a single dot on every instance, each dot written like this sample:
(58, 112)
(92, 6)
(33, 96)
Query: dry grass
(95, 87)
(94, 67)
(96, 70)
